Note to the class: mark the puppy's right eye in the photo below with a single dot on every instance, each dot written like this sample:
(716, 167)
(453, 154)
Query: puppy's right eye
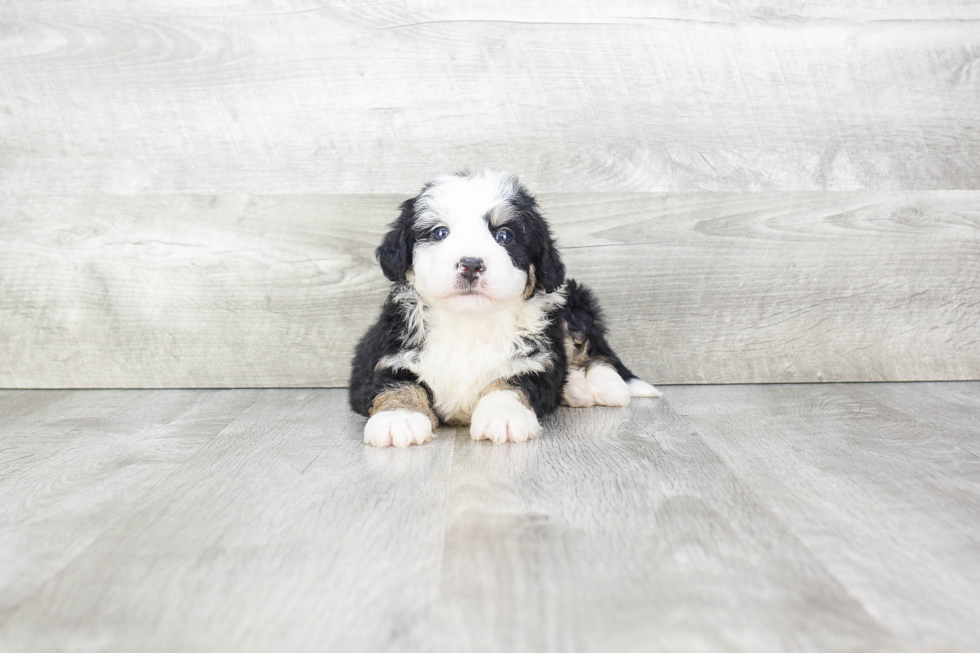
(439, 233)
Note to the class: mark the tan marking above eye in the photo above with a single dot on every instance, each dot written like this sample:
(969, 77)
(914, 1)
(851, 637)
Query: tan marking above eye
(500, 215)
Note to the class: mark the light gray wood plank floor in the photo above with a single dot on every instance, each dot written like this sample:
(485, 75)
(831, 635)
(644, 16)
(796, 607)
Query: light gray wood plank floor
(737, 518)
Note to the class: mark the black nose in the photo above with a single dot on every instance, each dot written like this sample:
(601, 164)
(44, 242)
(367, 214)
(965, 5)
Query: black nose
(470, 268)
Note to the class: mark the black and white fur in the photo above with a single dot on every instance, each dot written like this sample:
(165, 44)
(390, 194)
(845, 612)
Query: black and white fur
(480, 326)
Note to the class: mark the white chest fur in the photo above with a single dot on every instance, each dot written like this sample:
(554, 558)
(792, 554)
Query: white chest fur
(465, 353)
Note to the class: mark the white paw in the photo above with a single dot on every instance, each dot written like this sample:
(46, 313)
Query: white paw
(577, 391)
(640, 388)
(399, 428)
(501, 417)
(608, 387)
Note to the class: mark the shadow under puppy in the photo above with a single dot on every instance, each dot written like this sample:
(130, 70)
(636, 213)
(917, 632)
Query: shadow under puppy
(480, 326)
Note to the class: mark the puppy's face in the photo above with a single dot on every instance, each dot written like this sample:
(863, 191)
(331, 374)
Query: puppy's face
(471, 249)
(472, 243)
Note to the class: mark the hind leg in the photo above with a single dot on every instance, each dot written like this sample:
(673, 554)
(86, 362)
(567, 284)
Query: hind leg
(608, 387)
(577, 391)
(601, 385)
(596, 375)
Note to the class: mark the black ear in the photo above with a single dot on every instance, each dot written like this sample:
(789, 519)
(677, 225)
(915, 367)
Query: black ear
(547, 260)
(552, 270)
(395, 251)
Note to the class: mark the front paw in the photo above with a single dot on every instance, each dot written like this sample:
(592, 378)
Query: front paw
(399, 428)
(501, 417)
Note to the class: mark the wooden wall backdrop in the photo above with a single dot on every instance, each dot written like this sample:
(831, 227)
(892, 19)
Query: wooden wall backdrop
(191, 191)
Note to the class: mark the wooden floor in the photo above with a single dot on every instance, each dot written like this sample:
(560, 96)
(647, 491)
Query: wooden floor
(721, 518)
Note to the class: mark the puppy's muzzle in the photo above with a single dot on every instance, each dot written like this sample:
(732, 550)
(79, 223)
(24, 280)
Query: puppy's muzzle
(470, 268)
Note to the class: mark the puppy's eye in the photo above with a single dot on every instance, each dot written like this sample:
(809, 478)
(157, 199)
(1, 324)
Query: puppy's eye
(504, 237)
(440, 233)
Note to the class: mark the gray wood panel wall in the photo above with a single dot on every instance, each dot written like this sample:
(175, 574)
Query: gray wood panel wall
(190, 192)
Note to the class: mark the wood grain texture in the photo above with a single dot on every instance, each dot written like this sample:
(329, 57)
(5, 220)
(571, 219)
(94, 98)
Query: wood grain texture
(71, 468)
(950, 408)
(298, 96)
(882, 492)
(226, 291)
(740, 518)
(16, 404)
(282, 532)
(621, 530)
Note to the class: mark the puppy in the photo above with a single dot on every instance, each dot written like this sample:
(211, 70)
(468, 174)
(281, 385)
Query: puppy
(480, 326)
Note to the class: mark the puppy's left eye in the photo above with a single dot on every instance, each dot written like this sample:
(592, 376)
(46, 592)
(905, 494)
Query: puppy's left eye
(504, 237)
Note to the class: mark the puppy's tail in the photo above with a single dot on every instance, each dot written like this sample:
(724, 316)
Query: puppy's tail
(640, 388)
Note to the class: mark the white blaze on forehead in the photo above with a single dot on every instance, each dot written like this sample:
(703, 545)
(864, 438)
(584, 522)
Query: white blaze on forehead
(454, 199)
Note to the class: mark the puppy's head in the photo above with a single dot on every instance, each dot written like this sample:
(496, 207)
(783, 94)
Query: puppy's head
(471, 242)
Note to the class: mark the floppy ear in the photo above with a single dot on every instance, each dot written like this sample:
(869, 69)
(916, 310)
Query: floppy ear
(395, 251)
(551, 269)
(547, 260)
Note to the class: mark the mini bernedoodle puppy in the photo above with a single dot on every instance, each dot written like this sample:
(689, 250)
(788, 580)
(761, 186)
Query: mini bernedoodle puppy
(480, 326)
